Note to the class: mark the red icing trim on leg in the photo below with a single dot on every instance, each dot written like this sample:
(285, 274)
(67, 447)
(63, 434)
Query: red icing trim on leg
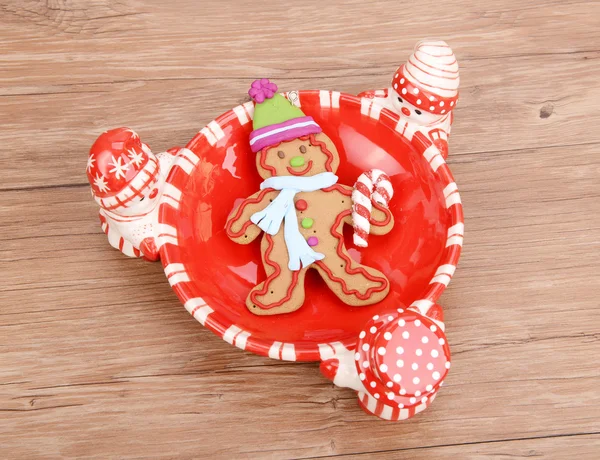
(270, 278)
(351, 271)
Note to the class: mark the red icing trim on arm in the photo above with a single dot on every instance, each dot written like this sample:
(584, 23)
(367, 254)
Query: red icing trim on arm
(239, 212)
(338, 188)
(386, 211)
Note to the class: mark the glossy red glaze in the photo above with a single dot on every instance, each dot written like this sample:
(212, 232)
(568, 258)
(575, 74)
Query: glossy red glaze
(222, 273)
(329, 368)
(403, 357)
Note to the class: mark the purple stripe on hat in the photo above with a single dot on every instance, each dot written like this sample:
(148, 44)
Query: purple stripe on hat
(283, 124)
(280, 132)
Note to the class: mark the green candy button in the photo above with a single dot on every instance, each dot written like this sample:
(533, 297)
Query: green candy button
(307, 222)
(297, 162)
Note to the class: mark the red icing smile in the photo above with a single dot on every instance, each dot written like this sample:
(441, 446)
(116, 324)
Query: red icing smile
(300, 173)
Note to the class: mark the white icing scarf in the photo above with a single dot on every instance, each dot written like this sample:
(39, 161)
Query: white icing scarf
(269, 219)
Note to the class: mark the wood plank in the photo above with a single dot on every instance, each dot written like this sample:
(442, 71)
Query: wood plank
(158, 41)
(509, 87)
(492, 113)
(582, 447)
(132, 372)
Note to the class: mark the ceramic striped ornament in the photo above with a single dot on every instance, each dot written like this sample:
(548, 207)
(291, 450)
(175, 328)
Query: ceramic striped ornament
(429, 79)
(128, 182)
(424, 92)
(399, 364)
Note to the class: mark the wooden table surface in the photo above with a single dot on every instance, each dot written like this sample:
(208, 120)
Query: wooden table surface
(99, 359)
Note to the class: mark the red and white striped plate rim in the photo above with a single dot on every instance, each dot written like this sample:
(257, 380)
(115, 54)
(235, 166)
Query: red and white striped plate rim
(222, 326)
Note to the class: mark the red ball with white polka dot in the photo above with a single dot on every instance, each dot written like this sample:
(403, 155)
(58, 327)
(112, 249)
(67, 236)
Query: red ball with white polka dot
(402, 359)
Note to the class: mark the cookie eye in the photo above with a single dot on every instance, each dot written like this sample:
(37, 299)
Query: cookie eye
(418, 112)
(281, 154)
(302, 149)
(400, 99)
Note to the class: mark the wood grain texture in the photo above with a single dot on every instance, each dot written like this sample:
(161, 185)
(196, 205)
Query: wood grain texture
(98, 358)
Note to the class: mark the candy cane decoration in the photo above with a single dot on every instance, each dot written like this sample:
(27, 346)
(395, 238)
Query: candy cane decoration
(371, 186)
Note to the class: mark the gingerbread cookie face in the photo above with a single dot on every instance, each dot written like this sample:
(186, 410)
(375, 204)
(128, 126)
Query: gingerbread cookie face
(305, 156)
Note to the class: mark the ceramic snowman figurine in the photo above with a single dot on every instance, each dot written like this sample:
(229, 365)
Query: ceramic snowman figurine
(399, 363)
(128, 182)
(424, 92)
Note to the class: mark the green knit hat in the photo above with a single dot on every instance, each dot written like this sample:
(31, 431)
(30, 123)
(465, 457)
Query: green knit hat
(275, 118)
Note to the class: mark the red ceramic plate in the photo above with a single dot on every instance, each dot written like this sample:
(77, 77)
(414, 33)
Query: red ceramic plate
(212, 276)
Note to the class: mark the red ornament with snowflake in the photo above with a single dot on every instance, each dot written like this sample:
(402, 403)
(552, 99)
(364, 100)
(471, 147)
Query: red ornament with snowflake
(127, 181)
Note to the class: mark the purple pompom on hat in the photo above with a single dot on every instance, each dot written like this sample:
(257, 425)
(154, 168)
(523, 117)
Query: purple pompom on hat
(262, 89)
(275, 118)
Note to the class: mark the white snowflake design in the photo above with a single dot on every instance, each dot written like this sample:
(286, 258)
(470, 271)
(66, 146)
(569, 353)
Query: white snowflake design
(90, 162)
(101, 183)
(118, 169)
(133, 133)
(136, 157)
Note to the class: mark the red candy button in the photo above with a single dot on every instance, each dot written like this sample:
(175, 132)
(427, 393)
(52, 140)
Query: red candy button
(301, 205)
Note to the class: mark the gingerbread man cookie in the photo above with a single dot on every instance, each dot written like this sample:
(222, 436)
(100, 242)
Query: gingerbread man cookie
(301, 208)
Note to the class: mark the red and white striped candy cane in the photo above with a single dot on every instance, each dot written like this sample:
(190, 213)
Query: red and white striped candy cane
(371, 186)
